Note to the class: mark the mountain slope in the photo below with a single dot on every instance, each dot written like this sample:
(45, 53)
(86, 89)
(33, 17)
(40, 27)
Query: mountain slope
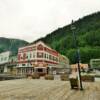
(11, 44)
(88, 38)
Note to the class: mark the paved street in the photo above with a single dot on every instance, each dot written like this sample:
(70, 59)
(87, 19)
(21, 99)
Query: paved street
(29, 89)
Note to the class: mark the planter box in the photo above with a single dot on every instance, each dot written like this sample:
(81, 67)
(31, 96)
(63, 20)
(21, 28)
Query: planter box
(64, 77)
(88, 78)
(29, 77)
(35, 76)
(49, 77)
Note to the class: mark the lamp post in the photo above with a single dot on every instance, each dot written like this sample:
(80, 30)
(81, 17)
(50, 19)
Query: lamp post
(77, 53)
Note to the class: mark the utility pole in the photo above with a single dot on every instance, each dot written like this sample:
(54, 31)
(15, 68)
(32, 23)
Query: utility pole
(78, 54)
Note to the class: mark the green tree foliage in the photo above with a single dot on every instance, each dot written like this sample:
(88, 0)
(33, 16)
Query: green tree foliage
(93, 38)
(11, 44)
(88, 38)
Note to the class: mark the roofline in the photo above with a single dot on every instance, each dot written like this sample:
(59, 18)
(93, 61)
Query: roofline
(34, 43)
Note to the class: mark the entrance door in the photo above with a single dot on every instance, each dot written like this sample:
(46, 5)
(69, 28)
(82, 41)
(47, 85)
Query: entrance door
(40, 71)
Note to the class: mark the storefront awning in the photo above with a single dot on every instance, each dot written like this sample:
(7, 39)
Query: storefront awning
(39, 67)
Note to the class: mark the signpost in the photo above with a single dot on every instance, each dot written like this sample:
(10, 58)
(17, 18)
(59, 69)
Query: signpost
(78, 55)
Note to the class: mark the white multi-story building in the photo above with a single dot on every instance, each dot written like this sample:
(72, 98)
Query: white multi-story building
(95, 64)
(8, 62)
(4, 60)
(4, 57)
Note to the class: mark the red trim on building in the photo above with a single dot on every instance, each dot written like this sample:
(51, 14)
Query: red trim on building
(38, 61)
(22, 53)
(26, 61)
(24, 56)
(50, 62)
(19, 56)
(27, 49)
(51, 51)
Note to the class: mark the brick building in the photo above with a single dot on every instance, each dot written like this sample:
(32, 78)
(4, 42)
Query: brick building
(39, 58)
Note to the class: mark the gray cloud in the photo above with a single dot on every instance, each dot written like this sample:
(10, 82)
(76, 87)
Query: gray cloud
(32, 19)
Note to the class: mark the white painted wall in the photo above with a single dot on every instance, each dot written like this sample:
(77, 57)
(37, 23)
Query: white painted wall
(4, 57)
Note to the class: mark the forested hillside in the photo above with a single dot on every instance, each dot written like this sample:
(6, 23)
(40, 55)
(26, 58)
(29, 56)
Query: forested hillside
(11, 44)
(88, 38)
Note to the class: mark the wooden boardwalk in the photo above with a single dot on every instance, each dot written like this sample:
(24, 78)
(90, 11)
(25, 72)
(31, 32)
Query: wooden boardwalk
(28, 89)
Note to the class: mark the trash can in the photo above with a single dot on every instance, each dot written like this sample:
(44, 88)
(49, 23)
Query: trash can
(74, 81)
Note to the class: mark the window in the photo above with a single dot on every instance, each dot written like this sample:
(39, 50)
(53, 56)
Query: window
(26, 55)
(34, 48)
(1, 59)
(5, 58)
(12, 60)
(23, 64)
(50, 57)
(53, 58)
(45, 55)
(33, 55)
(40, 55)
(56, 59)
(30, 55)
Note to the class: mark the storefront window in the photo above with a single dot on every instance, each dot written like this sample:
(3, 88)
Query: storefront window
(40, 70)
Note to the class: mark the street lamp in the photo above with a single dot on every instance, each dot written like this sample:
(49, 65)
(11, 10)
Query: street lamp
(78, 54)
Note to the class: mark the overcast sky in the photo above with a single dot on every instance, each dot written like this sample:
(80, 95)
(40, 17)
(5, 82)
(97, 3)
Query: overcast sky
(32, 19)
